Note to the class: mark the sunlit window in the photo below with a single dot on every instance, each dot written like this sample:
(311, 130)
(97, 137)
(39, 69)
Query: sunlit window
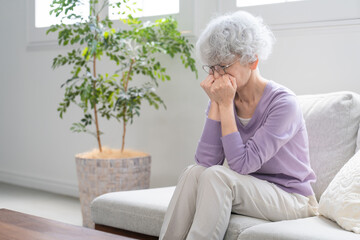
(247, 3)
(44, 19)
(149, 8)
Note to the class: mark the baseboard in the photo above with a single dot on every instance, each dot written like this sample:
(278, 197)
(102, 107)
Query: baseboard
(44, 184)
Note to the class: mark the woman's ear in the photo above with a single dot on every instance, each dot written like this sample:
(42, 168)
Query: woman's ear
(254, 65)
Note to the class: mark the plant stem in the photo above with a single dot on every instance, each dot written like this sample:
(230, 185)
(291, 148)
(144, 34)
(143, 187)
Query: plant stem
(95, 110)
(125, 84)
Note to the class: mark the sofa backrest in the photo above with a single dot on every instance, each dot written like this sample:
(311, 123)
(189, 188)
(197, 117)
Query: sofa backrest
(332, 121)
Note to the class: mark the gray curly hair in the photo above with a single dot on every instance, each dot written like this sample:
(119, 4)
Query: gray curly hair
(236, 35)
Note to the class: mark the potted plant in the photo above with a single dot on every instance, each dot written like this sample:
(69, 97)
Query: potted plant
(134, 50)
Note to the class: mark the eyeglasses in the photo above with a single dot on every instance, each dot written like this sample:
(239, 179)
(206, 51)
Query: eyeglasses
(220, 69)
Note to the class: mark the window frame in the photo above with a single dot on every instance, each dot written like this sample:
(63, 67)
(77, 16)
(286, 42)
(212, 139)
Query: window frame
(37, 38)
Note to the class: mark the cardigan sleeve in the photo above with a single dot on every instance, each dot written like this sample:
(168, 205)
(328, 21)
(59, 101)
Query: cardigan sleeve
(210, 151)
(282, 123)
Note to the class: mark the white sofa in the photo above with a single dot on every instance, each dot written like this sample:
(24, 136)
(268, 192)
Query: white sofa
(332, 121)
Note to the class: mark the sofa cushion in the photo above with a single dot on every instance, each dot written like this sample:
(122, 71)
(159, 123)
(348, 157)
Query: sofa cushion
(238, 223)
(314, 228)
(332, 121)
(341, 200)
(139, 211)
(142, 211)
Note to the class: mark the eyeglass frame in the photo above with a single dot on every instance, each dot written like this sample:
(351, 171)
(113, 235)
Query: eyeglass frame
(213, 68)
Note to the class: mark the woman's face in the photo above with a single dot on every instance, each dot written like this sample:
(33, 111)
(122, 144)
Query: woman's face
(240, 72)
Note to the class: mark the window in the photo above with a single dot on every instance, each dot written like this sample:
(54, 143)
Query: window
(246, 3)
(149, 8)
(39, 20)
(44, 19)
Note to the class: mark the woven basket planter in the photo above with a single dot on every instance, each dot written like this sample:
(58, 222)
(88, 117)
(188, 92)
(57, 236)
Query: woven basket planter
(100, 176)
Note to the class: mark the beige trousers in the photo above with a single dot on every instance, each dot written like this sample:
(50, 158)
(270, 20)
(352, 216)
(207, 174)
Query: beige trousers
(205, 197)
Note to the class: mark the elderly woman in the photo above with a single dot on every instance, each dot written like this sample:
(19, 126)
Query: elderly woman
(257, 125)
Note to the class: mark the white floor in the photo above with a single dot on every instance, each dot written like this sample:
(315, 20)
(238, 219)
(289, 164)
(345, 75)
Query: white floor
(39, 203)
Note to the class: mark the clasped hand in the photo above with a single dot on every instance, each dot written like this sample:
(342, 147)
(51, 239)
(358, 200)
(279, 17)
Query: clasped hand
(221, 90)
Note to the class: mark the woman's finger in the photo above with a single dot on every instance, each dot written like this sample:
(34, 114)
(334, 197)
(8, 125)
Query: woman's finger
(233, 81)
(206, 81)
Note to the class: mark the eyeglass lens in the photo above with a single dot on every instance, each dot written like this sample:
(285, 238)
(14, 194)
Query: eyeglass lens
(217, 68)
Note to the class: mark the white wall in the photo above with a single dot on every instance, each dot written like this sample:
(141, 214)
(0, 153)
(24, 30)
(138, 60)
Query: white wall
(37, 148)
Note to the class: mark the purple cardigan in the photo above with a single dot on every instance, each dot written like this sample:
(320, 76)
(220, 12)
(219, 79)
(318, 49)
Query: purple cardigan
(273, 146)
